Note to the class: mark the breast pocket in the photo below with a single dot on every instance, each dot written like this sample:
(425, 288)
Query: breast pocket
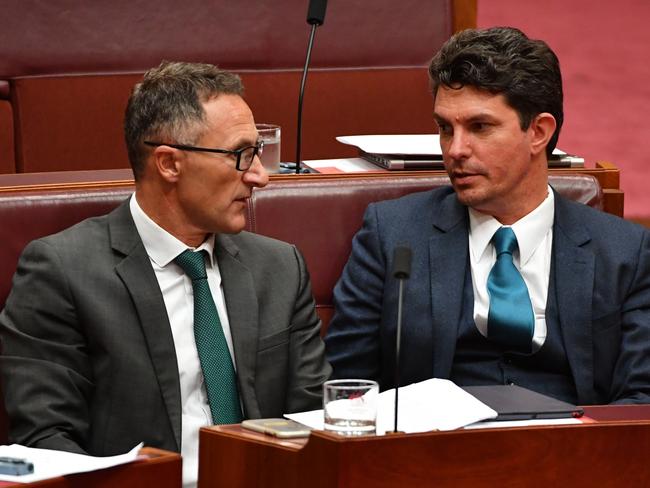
(274, 340)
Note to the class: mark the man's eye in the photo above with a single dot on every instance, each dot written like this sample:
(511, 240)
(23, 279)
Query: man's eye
(444, 129)
(479, 126)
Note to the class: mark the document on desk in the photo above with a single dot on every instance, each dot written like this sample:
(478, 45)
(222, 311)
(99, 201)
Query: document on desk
(395, 143)
(50, 464)
(434, 404)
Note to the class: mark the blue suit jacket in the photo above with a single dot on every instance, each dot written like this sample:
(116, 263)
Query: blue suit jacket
(602, 266)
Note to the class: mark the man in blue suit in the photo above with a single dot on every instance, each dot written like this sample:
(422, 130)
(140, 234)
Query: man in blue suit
(511, 283)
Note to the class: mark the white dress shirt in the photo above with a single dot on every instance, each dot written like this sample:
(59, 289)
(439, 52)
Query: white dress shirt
(533, 260)
(177, 292)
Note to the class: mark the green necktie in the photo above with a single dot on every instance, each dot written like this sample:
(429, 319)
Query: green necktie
(511, 321)
(218, 370)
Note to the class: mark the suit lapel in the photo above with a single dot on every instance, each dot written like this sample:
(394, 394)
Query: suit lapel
(448, 248)
(574, 283)
(139, 279)
(243, 316)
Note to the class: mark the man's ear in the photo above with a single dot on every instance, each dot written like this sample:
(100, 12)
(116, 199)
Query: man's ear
(166, 163)
(542, 129)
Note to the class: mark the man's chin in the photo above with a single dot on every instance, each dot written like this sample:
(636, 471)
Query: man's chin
(470, 198)
(234, 227)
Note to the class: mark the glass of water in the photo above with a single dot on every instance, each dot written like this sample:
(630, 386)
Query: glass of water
(350, 406)
(271, 135)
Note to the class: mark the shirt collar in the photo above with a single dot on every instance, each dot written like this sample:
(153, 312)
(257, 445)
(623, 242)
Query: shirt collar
(161, 246)
(530, 229)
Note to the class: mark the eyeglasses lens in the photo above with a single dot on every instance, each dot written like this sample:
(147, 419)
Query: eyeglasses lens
(247, 157)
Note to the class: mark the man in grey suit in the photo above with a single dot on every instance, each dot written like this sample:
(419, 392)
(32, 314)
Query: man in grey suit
(98, 333)
(510, 282)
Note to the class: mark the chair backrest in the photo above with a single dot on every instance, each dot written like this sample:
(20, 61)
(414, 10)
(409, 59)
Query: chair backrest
(319, 215)
(67, 69)
(322, 216)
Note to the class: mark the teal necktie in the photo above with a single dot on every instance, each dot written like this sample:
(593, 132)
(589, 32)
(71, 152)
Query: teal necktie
(216, 363)
(511, 321)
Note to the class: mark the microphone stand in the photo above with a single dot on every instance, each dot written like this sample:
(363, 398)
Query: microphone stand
(401, 271)
(302, 92)
(398, 342)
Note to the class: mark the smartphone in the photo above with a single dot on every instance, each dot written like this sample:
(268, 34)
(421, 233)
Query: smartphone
(15, 467)
(283, 428)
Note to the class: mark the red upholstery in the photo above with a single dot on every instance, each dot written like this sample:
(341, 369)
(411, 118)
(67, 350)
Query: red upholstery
(127, 35)
(322, 216)
(319, 215)
(70, 77)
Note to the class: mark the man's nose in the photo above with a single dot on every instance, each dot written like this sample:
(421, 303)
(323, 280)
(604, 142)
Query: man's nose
(458, 146)
(256, 175)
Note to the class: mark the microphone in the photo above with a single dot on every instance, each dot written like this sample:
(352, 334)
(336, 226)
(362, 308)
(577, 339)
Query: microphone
(315, 17)
(401, 272)
(402, 262)
(316, 12)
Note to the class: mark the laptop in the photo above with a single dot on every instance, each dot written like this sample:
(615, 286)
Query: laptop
(393, 162)
(513, 402)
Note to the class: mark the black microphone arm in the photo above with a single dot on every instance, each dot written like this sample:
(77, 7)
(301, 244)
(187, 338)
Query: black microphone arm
(402, 272)
(315, 17)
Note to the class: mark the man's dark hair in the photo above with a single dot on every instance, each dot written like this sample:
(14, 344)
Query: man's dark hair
(504, 60)
(167, 106)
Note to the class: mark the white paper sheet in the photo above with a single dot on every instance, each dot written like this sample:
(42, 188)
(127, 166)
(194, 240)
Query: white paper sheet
(399, 143)
(395, 143)
(50, 464)
(434, 404)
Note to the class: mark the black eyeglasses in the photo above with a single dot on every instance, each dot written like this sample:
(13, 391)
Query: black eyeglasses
(245, 155)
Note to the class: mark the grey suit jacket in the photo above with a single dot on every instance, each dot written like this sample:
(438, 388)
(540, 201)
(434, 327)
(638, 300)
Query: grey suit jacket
(602, 275)
(88, 360)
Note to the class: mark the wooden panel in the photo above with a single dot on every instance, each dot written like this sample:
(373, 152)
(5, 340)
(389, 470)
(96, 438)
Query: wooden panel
(7, 153)
(464, 14)
(595, 454)
(157, 468)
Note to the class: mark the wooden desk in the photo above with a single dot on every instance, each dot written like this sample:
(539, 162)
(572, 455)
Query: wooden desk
(157, 468)
(604, 453)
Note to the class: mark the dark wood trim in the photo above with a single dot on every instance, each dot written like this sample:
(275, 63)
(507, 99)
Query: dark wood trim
(464, 15)
(600, 453)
